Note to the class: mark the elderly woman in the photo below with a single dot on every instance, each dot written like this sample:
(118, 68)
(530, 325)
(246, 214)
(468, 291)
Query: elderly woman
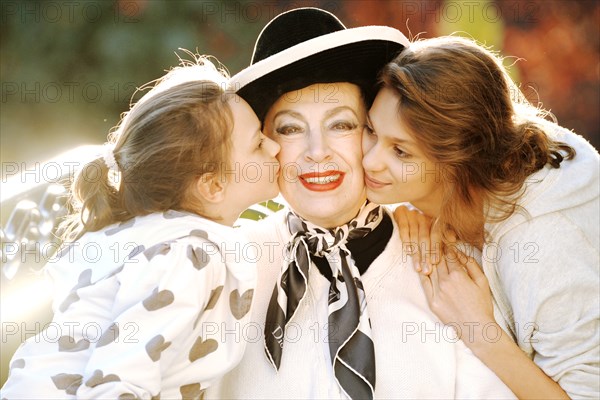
(343, 312)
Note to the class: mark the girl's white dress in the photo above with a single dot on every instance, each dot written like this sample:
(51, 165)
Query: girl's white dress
(155, 307)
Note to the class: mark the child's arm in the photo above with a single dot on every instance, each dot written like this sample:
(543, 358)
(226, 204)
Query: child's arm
(153, 341)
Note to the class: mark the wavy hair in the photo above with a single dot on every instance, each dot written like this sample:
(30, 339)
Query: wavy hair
(177, 132)
(466, 114)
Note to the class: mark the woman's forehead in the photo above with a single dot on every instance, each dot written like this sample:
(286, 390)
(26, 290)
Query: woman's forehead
(320, 96)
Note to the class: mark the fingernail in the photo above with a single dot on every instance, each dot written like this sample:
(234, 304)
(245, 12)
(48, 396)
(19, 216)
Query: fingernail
(425, 268)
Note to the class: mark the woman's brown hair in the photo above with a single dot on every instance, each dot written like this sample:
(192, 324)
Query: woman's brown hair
(176, 133)
(466, 114)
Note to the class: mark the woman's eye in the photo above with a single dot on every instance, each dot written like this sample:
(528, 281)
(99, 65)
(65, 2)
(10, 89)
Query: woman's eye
(288, 129)
(400, 153)
(260, 144)
(343, 126)
(369, 131)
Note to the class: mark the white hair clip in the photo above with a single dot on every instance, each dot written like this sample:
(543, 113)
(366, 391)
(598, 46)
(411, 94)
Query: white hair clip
(108, 156)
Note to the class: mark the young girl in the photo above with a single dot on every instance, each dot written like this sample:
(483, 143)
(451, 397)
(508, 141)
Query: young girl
(152, 296)
(447, 134)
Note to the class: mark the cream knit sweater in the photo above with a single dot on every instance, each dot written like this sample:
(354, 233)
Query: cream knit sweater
(543, 269)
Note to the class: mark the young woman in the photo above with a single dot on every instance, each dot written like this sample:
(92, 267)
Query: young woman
(449, 134)
(143, 294)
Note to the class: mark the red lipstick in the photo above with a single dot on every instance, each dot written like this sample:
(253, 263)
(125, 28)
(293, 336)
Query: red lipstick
(322, 181)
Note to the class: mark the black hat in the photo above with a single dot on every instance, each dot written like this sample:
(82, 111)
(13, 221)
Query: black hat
(305, 46)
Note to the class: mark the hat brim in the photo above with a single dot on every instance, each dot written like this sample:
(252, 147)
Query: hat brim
(351, 55)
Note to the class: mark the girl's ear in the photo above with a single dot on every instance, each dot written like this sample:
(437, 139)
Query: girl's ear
(210, 187)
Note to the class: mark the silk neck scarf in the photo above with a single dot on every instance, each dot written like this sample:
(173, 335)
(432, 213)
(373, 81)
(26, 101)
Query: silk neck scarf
(350, 345)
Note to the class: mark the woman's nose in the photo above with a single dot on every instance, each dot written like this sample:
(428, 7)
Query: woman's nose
(317, 148)
(372, 160)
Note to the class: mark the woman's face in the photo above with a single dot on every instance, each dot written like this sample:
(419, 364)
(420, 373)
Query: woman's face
(319, 129)
(396, 169)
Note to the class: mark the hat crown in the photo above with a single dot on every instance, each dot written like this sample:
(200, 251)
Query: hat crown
(292, 28)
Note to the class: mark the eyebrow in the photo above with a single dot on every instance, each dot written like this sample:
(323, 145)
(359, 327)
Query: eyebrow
(328, 113)
(338, 110)
(288, 112)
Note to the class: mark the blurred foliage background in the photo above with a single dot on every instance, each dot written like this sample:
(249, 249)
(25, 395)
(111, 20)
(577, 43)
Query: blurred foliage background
(69, 68)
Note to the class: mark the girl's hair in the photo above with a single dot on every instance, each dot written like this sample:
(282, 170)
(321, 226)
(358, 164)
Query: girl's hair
(177, 132)
(467, 115)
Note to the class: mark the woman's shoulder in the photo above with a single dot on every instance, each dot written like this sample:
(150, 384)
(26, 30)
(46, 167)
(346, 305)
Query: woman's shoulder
(572, 189)
(585, 152)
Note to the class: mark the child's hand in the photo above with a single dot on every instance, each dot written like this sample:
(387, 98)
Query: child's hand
(418, 239)
(459, 294)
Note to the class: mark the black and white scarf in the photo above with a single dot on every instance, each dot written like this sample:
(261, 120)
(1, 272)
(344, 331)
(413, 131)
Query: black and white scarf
(351, 347)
